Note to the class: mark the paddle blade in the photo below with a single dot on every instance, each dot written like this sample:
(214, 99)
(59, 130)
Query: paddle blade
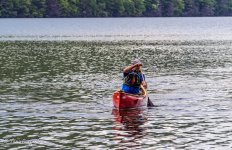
(149, 103)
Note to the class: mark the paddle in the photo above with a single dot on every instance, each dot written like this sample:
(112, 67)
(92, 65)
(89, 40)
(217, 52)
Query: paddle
(149, 103)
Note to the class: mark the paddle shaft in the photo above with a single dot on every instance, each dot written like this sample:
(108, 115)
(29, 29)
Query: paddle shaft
(149, 103)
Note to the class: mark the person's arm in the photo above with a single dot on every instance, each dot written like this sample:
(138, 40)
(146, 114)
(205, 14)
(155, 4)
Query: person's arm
(131, 67)
(144, 91)
(144, 84)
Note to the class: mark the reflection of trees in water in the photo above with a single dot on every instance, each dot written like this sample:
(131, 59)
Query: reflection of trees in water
(129, 127)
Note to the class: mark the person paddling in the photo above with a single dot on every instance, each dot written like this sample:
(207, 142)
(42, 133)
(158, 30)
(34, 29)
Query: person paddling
(134, 78)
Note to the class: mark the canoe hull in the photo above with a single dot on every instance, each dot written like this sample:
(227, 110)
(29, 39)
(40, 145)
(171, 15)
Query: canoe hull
(123, 100)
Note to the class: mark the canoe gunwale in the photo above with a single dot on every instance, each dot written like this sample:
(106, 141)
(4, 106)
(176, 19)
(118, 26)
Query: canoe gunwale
(135, 95)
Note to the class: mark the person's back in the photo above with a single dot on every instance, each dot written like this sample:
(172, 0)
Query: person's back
(133, 78)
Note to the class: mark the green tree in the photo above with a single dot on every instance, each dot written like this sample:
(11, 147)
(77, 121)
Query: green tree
(15, 8)
(101, 8)
(223, 8)
(139, 7)
(152, 8)
(38, 8)
(207, 7)
(191, 8)
(115, 8)
(129, 8)
(178, 7)
(172, 7)
(167, 8)
(22, 8)
(53, 8)
(88, 8)
(69, 8)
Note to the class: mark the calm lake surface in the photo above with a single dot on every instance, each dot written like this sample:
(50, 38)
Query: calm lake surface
(57, 77)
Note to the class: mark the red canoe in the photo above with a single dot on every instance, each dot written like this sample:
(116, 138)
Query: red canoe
(124, 100)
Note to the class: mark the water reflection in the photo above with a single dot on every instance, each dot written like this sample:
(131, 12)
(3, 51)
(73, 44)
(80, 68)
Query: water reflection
(130, 126)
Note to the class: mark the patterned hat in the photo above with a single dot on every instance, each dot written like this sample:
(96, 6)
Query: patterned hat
(136, 61)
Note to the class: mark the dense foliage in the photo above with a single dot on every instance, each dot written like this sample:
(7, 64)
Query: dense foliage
(114, 8)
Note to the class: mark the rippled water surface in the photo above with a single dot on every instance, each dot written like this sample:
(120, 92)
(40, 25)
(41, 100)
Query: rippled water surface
(58, 95)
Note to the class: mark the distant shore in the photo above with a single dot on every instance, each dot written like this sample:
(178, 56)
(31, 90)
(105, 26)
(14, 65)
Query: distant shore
(113, 8)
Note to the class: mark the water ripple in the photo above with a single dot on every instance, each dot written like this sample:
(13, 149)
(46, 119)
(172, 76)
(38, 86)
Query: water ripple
(57, 95)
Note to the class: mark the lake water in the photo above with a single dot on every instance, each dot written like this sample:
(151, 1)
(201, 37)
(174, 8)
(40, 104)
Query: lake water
(109, 29)
(57, 77)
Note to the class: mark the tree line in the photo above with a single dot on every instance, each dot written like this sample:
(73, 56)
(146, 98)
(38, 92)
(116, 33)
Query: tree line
(114, 8)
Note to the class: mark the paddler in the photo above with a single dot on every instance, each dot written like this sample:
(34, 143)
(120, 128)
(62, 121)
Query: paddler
(134, 79)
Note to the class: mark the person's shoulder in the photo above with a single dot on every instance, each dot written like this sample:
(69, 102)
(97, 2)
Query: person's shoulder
(129, 71)
(126, 73)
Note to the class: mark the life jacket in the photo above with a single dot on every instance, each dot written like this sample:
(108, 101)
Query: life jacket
(132, 79)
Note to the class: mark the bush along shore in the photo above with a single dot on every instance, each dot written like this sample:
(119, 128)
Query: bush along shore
(113, 8)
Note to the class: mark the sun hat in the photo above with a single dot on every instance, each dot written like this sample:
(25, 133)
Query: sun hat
(136, 61)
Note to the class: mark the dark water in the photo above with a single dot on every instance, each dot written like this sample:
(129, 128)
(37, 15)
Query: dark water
(58, 95)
